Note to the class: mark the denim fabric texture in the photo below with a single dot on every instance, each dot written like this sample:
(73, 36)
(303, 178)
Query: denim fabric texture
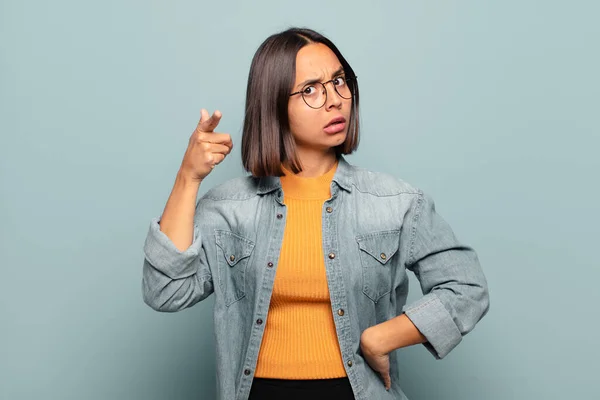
(375, 229)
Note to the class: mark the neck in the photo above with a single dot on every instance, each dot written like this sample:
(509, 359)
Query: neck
(316, 163)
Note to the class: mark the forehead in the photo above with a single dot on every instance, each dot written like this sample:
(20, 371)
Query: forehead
(315, 60)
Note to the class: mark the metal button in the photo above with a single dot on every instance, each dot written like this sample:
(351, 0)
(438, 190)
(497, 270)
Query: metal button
(350, 363)
(329, 210)
(246, 372)
(279, 216)
(331, 256)
(383, 256)
(232, 257)
(341, 312)
(270, 265)
(259, 321)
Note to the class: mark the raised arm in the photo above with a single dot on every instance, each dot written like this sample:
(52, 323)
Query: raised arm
(176, 274)
(205, 150)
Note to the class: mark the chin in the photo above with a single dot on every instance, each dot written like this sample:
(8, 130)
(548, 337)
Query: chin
(340, 138)
(329, 142)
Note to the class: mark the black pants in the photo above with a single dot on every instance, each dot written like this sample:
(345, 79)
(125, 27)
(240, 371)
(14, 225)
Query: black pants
(311, 389)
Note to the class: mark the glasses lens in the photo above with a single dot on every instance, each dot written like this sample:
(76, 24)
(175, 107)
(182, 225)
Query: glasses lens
(314, 95)
(344, 90)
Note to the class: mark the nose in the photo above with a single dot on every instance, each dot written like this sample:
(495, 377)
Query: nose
(334, 100)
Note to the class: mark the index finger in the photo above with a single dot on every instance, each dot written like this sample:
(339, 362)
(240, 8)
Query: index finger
(208, 124)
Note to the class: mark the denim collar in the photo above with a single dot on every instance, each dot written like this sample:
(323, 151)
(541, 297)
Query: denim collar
(342, 177)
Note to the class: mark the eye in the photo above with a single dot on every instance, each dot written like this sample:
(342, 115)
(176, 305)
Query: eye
(309, 90)
(339, 81)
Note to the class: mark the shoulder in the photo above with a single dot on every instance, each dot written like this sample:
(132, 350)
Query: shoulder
(381, 183)
(241, 188)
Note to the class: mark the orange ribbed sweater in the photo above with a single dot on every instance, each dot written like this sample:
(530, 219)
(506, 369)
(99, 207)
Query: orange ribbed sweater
(300, 341)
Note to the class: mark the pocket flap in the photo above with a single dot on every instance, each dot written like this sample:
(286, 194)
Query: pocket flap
(380, 245)
(234, 246)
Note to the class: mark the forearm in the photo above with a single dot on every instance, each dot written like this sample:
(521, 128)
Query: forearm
(393, 334)
(177, 221)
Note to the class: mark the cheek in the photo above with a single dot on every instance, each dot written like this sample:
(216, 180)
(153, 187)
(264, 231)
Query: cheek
(299, 118)
(292, 115)
(347, 106)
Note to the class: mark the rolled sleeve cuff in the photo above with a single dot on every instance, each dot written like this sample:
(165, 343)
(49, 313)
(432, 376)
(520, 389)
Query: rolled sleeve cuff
(434, 321)
(162, 254)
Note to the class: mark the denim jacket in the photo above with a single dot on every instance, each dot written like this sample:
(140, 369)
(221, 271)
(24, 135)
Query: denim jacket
(374, 228)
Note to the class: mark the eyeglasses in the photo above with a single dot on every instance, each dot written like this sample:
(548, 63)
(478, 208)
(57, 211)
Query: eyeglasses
(315, 94)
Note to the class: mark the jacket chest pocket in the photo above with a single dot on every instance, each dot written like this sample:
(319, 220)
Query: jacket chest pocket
(233, 253)
(376, 251)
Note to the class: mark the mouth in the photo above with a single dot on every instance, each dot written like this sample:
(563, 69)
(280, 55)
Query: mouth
(335, 125)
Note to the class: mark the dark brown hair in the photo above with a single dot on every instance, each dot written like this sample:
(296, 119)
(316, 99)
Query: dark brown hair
(267, 141)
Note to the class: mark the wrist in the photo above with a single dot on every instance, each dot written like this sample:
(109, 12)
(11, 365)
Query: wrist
(187, 180)
(373, 339)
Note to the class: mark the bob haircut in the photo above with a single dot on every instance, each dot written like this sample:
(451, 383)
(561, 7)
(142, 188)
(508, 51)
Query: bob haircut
(267, 141)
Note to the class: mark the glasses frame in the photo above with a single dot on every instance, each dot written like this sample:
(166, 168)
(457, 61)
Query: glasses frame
(324, 84)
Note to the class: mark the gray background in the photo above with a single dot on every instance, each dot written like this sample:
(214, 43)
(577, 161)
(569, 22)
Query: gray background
(491, 107)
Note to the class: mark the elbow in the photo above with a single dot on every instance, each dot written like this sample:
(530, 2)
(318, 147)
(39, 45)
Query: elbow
(476, 300)
(158, 305)
(155, 300)
(176, 295)
(477, 307)
(481, 297)
(484, 301)
(467, 305)
(151, 300)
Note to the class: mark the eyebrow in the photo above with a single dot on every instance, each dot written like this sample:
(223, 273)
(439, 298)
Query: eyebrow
(339, 71)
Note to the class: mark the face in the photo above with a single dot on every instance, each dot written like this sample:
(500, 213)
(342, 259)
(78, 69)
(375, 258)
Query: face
(312, 128)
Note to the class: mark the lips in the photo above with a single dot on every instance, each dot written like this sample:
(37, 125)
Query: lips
(336, 125)
(336, 120)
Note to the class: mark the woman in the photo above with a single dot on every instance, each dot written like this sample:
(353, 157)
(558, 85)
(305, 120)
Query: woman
(308, 256)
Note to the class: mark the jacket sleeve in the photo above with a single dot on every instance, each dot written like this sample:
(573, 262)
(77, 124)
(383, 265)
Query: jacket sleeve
(173, 280)
(452, 281)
